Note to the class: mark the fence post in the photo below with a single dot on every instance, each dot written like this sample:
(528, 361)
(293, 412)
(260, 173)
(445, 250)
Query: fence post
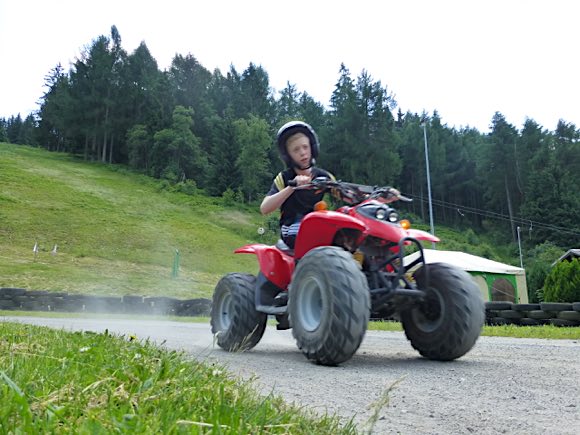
(175, 271)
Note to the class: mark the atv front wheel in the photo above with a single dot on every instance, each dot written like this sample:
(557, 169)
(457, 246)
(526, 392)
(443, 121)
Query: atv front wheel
(329, 305)
(234, 318)
(448, 322)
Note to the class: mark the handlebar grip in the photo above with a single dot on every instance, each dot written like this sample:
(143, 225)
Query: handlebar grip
(292, 183)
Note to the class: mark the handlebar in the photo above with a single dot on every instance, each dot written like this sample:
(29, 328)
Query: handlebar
(352, 193)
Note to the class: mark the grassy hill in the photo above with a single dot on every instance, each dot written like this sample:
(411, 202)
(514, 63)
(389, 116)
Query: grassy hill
(117, 232)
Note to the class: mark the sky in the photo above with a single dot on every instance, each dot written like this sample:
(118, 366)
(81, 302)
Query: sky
(465, 59)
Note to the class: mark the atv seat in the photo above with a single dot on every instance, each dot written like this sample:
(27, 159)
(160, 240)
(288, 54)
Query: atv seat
(284, 247)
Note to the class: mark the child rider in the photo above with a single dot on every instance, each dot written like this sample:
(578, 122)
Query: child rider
(298, 146)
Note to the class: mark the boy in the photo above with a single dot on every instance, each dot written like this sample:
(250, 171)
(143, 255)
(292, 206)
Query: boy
(298, 146)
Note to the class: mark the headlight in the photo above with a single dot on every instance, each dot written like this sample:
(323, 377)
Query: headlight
(393, 217)
(381, 213)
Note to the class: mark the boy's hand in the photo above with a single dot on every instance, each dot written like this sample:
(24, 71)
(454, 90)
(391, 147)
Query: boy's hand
(301, 180)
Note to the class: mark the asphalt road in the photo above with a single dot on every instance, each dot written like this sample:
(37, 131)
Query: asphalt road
(504, 385)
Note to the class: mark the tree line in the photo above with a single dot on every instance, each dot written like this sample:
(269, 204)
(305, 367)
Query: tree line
(216, 131)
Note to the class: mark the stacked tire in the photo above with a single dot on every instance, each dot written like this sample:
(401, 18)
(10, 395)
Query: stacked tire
(544, 313)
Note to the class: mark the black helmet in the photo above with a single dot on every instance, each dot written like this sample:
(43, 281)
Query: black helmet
(288, 130)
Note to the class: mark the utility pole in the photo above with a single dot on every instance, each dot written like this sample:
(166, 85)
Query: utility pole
(520, 248)
(424, 125)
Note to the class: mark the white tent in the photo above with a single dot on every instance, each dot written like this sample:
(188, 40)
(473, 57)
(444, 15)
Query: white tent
(497, 281)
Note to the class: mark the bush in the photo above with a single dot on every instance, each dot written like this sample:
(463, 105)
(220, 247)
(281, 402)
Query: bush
(189, 187)
(537, 261)
(228, 197)
(536, 276)
(563, 282)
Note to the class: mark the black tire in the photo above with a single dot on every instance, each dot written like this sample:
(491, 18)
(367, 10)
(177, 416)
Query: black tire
(234, 317)
(555, 306)
(511, 314)
(526, 321)
(569, 315)
(576, 306)
(490, 314)
(541, 315)
(498, 305)
(329, 305)
(448, 323)
(496, 321)
(564, 322)
(525, 307)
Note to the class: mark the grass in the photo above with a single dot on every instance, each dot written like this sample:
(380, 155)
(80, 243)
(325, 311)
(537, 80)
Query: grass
(116, 232)
(80, 382)
(544, 331)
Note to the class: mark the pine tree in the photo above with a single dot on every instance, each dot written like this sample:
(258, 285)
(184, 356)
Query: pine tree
(254, 142)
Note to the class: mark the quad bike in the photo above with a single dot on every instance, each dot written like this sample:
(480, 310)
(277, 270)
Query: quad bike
(346, 267)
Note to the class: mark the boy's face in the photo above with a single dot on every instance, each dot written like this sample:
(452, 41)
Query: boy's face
(298, 147)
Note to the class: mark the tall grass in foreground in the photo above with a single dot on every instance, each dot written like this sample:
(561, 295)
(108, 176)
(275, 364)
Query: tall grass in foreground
(80, 382)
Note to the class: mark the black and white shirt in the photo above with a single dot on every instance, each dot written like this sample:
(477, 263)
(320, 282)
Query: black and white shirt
(301, 202)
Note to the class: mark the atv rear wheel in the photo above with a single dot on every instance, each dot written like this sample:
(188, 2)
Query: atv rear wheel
(448, 322)
(234, 318)
(329, 305)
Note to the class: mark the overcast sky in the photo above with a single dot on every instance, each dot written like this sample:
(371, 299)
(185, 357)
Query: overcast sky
(465, 59)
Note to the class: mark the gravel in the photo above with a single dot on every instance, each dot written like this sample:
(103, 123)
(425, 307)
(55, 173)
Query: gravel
(502, 386)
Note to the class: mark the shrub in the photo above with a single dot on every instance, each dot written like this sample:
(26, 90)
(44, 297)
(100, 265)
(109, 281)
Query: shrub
(189, 187)
(563, 282)
(228, 197)
(536, 276)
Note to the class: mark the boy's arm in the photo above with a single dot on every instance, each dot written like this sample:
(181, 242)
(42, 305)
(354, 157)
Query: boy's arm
(273, 202)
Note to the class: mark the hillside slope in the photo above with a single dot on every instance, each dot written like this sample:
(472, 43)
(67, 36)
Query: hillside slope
(115, 232)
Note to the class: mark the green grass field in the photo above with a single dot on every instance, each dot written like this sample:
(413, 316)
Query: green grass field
(79, 382)
(116, 232)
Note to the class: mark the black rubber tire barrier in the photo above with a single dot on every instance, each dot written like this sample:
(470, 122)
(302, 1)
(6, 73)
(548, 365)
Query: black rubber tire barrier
(555, 306)
(525, 307)
(526, 321)
(498, 305)
(540, 314)
(569, 315)
(511, 314)
(564, 322)
(497, 321)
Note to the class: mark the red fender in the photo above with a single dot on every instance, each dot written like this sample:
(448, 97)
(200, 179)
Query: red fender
(276, 266)
(422, 235)
(319, 228)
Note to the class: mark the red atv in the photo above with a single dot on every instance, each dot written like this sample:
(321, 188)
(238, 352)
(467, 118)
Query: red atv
(348, 266)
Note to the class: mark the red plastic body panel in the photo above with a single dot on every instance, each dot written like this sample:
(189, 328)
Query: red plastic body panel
(389, 232)
(422, 235)
(319, 228)
(276, 266)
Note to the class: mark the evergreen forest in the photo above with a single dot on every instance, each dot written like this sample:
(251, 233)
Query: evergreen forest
(214, 130)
